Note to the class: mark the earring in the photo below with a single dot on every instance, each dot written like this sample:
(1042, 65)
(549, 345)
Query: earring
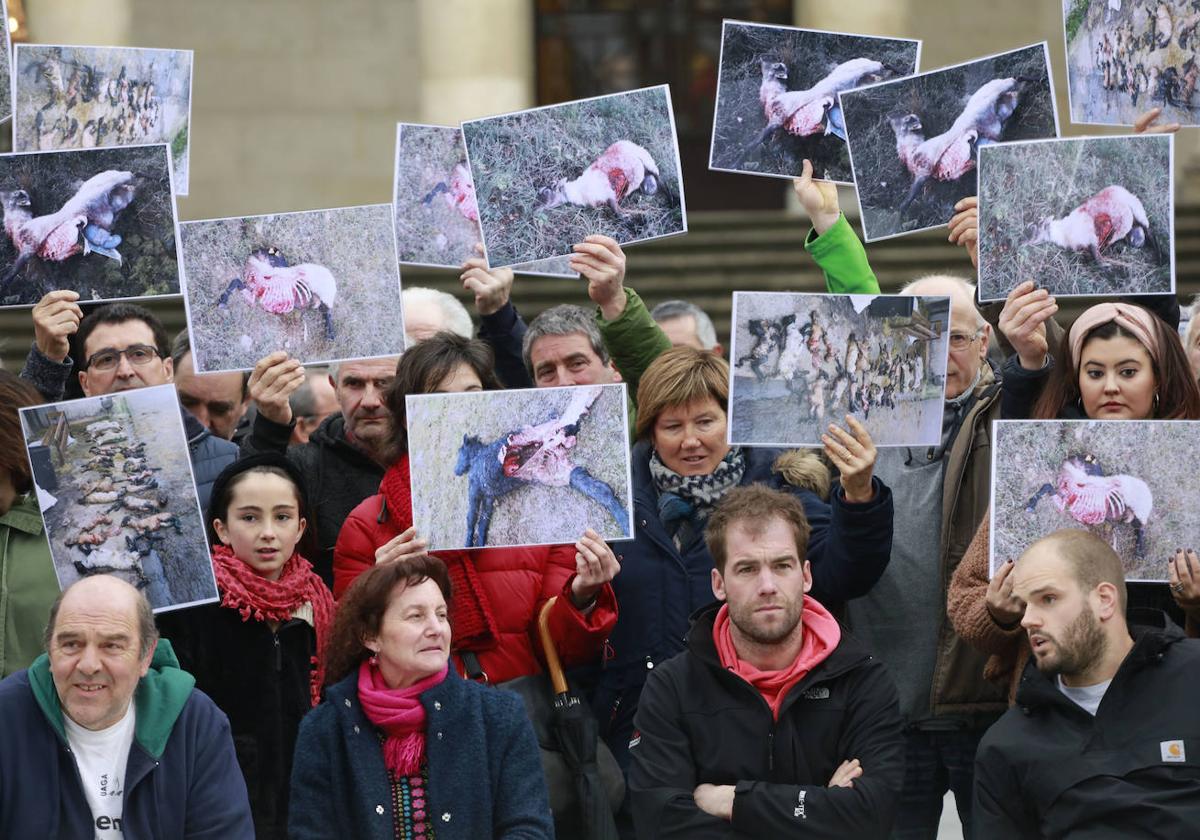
(373, 660)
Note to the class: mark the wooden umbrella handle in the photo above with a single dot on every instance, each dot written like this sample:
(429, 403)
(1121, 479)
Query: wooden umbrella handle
(553, 665)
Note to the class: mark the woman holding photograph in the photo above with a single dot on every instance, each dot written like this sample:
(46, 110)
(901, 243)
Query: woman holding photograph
(497, 591)
(683, 466)
(402, 746)
(256, 652)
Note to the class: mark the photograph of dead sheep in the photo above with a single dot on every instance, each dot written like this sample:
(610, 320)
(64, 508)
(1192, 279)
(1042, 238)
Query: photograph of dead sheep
(913, 142)
(114, 482)
(437, 219)
(1125, 58)
(803, 361)
(529, 467)
(549, 177)
(1123, 480)
(67, 97)
(1080, 216)
(777, 96)
(100, 222)
(324, 285)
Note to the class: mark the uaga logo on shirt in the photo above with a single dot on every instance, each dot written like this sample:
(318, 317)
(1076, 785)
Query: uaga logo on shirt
(1172, 751)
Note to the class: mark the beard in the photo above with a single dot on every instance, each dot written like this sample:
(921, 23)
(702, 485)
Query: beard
(760, 631)
(1081, 647)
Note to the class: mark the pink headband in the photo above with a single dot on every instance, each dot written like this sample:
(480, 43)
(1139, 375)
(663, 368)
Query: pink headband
(1134, 319)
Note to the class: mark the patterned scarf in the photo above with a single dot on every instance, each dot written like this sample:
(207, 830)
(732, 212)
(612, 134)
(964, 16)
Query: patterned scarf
(472, 623)
(260, 599)
(399, 713)
(691, 498)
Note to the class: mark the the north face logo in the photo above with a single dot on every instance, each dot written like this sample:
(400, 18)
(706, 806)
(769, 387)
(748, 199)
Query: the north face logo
(636, 739)
(820, 692)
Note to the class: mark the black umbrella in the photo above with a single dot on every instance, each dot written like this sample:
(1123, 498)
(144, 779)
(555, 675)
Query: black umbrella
(576, 733)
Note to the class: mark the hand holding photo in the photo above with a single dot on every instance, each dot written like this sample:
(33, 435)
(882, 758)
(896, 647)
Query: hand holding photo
(99, 222)
(1080, 216)
(547, 178)
(777, 93)
(114, 482)
(913, 142)
(802, 361)
(323, 285)
(527, 467)
(1123, 480)
(94, 97)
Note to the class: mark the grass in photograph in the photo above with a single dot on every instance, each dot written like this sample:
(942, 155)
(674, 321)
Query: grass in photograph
(355, 243)
(433, 231)
(515, 156)
(149, 260)
(937, 99)
(809, 56)
(1023, 184)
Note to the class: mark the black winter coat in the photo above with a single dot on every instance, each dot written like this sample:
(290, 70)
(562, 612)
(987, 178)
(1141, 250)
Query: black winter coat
(337, 477)
(699, 723)
(1049, 769)
(260, 680)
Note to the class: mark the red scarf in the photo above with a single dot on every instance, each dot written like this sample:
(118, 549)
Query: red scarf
(821, 636)
(472, 624)
(260, 599)
(399, 713)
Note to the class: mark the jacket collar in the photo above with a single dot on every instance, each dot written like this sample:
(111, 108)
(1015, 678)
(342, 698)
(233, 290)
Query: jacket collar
(158, 700)
(193, 428)
(24, 515)
(332, 433)
(1150, 646)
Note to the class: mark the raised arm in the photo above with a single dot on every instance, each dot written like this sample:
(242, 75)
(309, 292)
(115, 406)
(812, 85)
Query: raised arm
(48, 366)
(831, 242)
(499, 324)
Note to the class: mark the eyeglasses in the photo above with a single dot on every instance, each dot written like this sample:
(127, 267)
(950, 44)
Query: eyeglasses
(960, 340)
(108, 358)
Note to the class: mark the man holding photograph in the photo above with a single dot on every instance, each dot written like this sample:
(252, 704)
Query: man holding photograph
(1102, 740)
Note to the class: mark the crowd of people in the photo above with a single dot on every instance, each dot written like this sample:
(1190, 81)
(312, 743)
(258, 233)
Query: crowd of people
(794, 643)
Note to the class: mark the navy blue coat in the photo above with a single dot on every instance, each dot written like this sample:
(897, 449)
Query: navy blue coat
(659, 586)
(485, 771)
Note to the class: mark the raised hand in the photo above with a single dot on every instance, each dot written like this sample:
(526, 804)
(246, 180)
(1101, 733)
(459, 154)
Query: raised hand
(1023, 322)
(491, 287)
(404, 546)
(595, 565)
(818, 198)
(56, 318)
(272, 381)
(853, 453)
(602, 263)
(964, 227)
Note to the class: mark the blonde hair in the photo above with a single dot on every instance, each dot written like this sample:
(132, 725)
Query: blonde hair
(677, 377)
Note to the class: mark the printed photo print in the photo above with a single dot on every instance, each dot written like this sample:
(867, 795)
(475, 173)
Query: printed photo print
(96, 97)
(549, 177)
(529, 467)
(114, 482)
(324, 285)
(1125, 58)
(1081, 216)
(5, 64)
(1123, 480)
(437, 219)
(100, 222)
(777, 96)
(803, 361)
(913, 142)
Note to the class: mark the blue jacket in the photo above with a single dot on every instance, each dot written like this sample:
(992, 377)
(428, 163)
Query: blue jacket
(659, 586)
(485, 771)
(181, 780)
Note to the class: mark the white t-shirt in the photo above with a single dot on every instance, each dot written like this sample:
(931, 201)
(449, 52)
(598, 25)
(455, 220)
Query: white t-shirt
(1088, 697)
(101, 757)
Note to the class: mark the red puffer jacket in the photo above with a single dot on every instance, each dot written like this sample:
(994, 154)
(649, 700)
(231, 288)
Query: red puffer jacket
(513, 582)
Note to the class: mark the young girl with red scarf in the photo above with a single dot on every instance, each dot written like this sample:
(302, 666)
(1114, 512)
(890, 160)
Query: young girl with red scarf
(256, 653)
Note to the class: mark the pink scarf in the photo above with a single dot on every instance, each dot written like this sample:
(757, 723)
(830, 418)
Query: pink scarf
(821, 636)
(399, 713)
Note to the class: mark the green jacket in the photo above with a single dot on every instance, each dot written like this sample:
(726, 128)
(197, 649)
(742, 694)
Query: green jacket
(28, 585)
(633, 340)
(841, 256)
(158, 700)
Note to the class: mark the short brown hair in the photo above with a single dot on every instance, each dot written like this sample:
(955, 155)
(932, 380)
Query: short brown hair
(677, 377)
(15, 393)
(361, 608)
(1090, 560)
(754, 505)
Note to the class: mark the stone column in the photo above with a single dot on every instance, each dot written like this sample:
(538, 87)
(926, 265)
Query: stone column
(866, 17)
(476, 58)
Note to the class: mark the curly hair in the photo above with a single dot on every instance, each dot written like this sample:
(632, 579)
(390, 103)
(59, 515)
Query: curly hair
(361, 608)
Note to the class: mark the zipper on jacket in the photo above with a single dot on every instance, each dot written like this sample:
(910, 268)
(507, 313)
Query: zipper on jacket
(771, 751)
(278, 653)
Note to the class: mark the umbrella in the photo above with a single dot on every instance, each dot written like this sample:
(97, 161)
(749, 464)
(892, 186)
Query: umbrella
(577, 734)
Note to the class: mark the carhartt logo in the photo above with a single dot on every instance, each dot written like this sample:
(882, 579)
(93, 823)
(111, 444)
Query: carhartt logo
(818, 693)
(1173, 751)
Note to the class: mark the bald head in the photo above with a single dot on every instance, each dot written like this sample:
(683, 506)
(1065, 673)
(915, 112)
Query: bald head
(1079, 555)
(106, 593)
(960, 292)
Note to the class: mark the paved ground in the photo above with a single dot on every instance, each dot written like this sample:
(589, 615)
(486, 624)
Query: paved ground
(950, 828)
